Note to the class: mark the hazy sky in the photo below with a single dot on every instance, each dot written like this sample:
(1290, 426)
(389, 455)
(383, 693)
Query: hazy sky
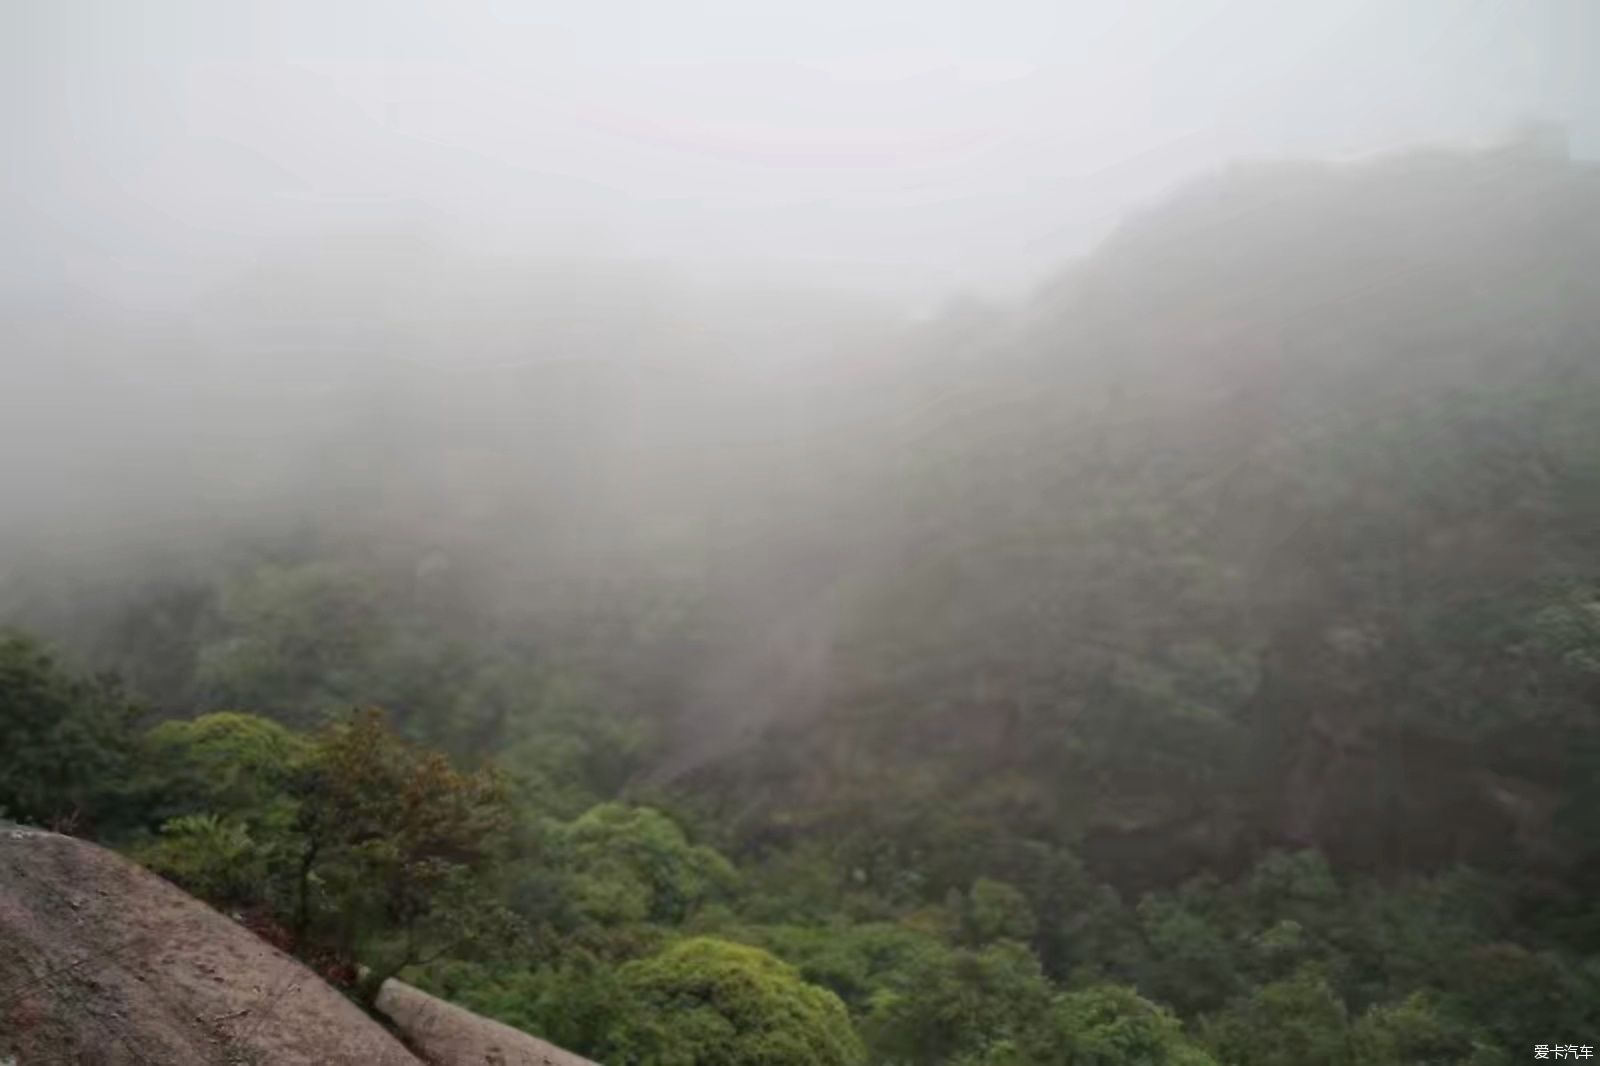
(911, 147)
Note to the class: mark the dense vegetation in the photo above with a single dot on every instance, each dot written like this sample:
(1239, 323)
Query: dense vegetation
(1198, 665)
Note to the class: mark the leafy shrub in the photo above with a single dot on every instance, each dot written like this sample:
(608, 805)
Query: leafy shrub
(213, 857)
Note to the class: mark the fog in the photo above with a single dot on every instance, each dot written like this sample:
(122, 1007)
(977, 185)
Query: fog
(906, 149)
(558, 298)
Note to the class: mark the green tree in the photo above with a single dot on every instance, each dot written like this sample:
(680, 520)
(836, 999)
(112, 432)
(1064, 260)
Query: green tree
(579, 1003)
(225, 763)
(566, 748)
(970, 1002)
(1109, 1025)
(215, 858)
(1299, 1021)
(856, 961)
(1409, 1033)
(634, 864)
(1190, 962)
(996, 910)
(1513, 995)
(707, 1002)
(230, 790)
(297, 641)
(68, 739)
(403, 847)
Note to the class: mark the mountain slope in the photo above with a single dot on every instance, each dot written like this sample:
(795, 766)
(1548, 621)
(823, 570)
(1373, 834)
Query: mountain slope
(1268, 524)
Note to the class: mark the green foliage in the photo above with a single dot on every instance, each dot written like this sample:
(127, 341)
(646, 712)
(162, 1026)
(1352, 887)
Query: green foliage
(1191, 963)
(706, 1002)
(298, 641)
(400, 843)
(214, 858)
(1511, 994)
(228, 763)
(1297, 1020)
(1283, 880)
(1409, 1033)
(303, 643)
(634, 864)
(801, 883)
(996, 910)
(1108, 1025)
(862, 964)
(968, 1002)
(68, 740)
(566, 748)
(580, 1002)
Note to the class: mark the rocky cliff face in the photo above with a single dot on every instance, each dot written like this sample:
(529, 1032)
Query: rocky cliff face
(445, 1034)
(102, 961)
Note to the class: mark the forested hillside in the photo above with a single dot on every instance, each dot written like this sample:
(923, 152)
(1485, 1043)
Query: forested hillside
(1199, 663)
